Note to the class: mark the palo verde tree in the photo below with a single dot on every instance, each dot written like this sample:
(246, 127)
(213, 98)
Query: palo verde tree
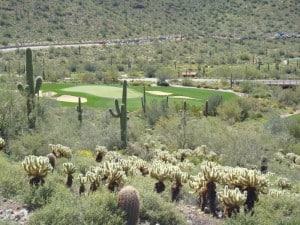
(30, 89)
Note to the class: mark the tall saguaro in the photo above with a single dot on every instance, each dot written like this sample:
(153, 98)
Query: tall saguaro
(122, 114)
(30, 89)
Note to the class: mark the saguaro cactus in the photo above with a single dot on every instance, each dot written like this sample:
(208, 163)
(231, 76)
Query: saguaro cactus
(129, 201)
(143, 99)
(30, 90)
(79, 110)
(122, 114)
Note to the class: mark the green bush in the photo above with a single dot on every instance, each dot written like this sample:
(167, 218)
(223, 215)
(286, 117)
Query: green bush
(12, 177)
(67, 208)
(281, 210)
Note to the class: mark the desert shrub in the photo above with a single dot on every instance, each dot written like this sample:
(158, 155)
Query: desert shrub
(294, 129)
(37, 196)
(12, 177)
(246, 87)
(155, 208)
(156, 110)
(67, 208)
(281, 210)
(289, 97)
(187, 82)
(230, 111)
(213, 102)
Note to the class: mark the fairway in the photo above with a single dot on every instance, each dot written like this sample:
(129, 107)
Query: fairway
(103, 91)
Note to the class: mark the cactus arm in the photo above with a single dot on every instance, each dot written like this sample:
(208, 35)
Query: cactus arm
(38, 84)
(118, 111)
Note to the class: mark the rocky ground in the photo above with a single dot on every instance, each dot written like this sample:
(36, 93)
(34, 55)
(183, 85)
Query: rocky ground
(12, 212)
(16, 213)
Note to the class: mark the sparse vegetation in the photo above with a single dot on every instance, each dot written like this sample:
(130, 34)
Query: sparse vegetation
(233, 154)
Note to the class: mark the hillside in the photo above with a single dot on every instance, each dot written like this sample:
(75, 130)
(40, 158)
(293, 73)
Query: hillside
(27, 21)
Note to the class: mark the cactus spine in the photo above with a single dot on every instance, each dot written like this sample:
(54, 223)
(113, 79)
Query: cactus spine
(122, 114)
(129, 201)
(79, 110)
(31, 88)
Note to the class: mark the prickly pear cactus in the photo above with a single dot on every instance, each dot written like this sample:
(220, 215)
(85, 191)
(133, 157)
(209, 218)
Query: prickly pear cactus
(129, 201)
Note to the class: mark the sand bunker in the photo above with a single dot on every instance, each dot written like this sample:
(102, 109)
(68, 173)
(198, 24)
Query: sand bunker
(70, 98)
(183, 97)
(63, 98)
(159, 93)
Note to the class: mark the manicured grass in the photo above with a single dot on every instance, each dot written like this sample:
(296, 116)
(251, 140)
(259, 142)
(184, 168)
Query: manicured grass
(101, 96)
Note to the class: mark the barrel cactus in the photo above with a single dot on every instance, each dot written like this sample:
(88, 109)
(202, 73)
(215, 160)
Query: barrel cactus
(129, 201)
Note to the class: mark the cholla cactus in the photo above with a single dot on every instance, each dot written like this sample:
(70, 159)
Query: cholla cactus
(165, 156)
(291, 157)
(82, 180)
(69, 169)
(60, 151)
(100, 153)
(178, 177)
(231, 200)
(93, 179)
(127, 166)
(112, 156)
(297, 160)
(212, 174)
(284, 183)
(251, 181)
(161, 172)
(36, 167)
(186, 165)
(200, 185)
(2, 143)
(279, 156)
(114, 175)
(140, 164)
(181, 154)
(276, 193)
